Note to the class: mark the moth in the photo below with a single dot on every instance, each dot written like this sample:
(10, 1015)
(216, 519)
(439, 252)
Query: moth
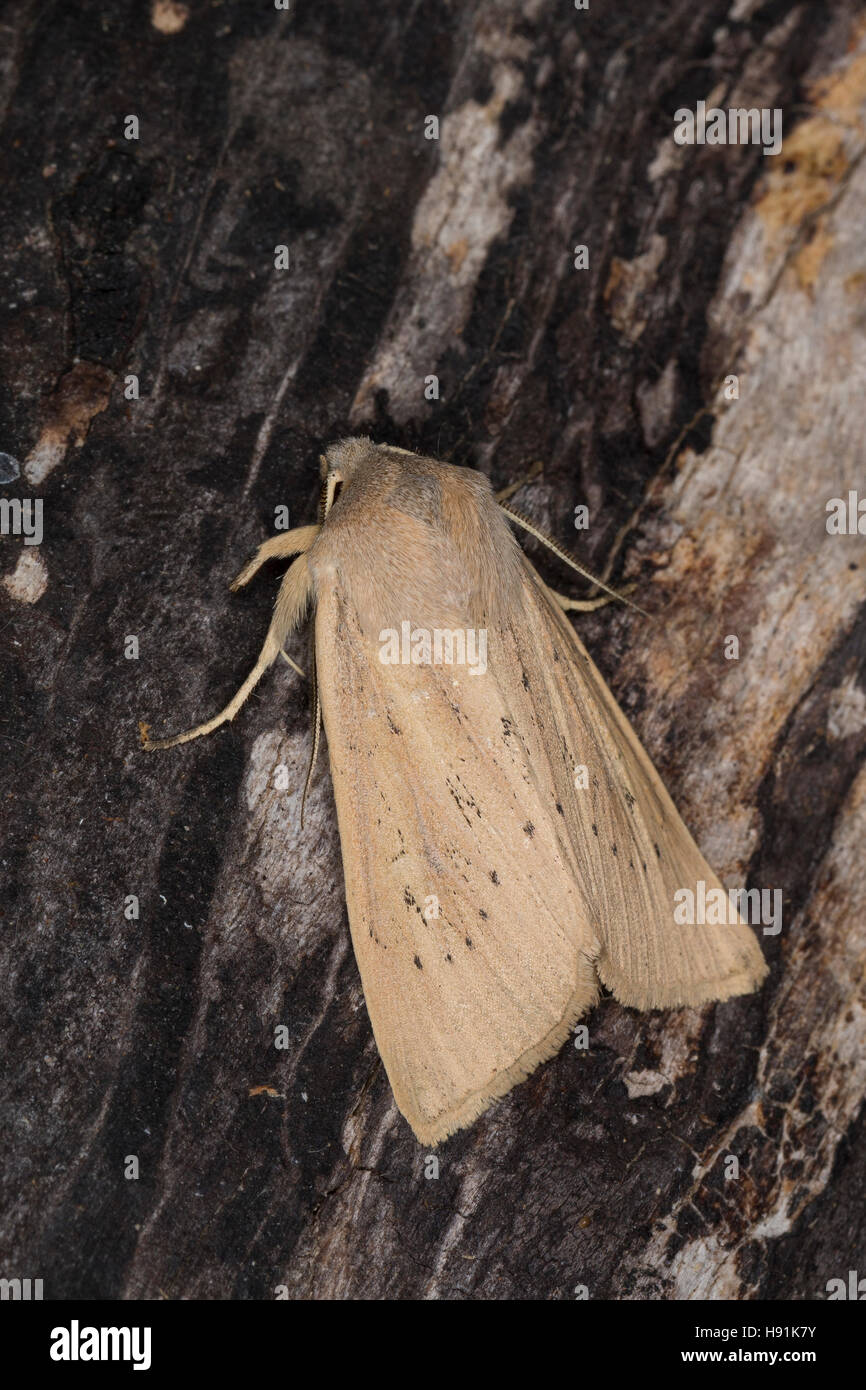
(508, 847)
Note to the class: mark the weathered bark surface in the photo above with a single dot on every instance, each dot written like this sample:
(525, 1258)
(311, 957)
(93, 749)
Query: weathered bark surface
(410, 257)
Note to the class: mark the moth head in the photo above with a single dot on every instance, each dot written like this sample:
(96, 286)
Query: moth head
(347, 459)
(337, 466)
(342, 460)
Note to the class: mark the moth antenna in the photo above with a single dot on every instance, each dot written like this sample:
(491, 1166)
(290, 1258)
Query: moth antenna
(317, 729)
(566, 558)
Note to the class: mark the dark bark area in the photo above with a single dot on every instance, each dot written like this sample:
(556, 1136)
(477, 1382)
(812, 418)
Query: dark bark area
(410, 257)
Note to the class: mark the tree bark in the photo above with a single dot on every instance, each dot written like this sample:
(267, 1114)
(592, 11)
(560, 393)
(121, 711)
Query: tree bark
(701, 387)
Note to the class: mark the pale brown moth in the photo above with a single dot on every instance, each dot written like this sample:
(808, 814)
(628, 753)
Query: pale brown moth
(488, 894)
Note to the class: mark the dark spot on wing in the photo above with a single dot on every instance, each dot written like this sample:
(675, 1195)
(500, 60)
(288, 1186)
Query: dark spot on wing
(594, 828)
(613, 847)
(658, 851)
(482, 913)
(529, 829)
(448, 955)
(409, 900)
(459, 801)
(391, 725)
(469, 943)
(559, 809)
(494, 877)
(525, 681)
(418, 963)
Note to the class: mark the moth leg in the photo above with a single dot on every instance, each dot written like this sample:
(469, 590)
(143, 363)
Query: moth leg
(580, 605)
(292, 600)
(533, 472)
(585, 605)
(293, 542)
(294, 665)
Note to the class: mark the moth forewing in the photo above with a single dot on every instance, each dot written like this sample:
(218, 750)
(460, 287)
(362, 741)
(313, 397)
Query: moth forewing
(633, 851)
(471, 939)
